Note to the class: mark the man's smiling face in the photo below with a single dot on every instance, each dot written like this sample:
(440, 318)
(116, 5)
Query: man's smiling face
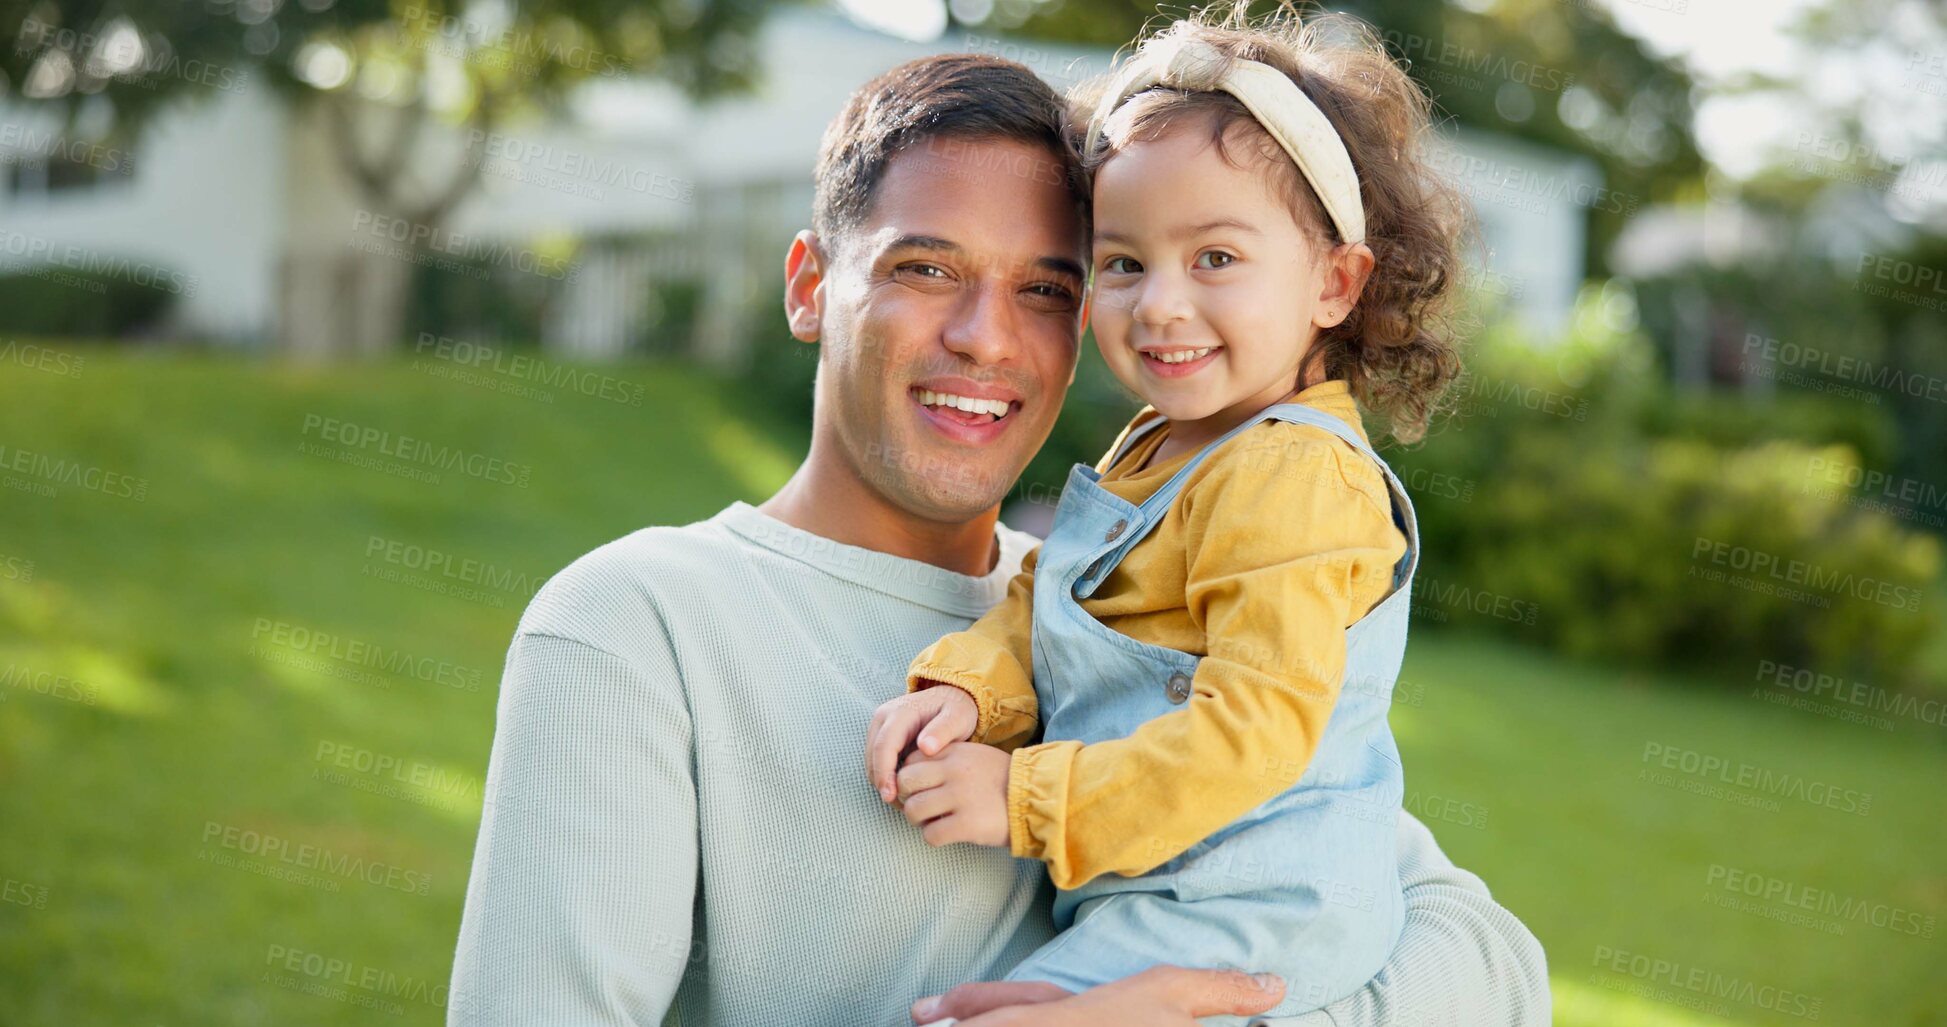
(962, 287)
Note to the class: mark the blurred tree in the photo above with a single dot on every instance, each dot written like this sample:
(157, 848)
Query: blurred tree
(379, 72)
(1835, 277)
(1867, 103)
(1553, 72)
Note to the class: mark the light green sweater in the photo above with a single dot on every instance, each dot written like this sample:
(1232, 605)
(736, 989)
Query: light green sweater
(678, 828)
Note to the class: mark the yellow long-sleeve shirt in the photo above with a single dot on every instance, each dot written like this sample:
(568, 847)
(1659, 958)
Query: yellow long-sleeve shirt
(1280, 540)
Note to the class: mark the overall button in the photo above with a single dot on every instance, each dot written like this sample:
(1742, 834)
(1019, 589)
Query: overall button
(1115, 530)
(1178, 687)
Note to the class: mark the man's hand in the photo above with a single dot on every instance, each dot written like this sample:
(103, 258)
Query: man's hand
(980, 996)
(1161, 996)
(959, 795)
(934, 716)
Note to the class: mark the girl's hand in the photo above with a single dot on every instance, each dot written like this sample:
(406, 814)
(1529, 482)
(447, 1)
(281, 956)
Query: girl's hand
(959, 795)
(933, 716)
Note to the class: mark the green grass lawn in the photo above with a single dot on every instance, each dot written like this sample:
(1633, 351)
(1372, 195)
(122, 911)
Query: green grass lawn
(167, 733)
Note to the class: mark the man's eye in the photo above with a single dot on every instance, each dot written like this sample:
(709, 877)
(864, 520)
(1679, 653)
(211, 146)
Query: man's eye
(1122, 266)
(1051, 290)
(1212, 259)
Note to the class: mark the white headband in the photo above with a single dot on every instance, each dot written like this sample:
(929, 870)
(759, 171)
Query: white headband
(1272, 98)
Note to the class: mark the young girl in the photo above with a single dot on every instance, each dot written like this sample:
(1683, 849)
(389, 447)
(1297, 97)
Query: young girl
(1209, 637)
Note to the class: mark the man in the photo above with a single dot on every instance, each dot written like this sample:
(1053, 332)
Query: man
(678, 822)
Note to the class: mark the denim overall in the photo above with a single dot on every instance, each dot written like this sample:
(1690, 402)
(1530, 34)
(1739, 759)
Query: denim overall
(1306, 885)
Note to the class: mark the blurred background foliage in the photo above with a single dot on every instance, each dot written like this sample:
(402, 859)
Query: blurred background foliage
(1579, 478)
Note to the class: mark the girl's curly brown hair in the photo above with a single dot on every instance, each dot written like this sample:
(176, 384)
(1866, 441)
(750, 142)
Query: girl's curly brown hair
(1397, 349)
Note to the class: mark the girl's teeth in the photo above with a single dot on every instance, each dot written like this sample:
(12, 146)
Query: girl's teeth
(1182, 356)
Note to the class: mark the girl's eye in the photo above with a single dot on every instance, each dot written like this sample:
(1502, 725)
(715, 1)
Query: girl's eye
(1213, 259)
(1122, 266)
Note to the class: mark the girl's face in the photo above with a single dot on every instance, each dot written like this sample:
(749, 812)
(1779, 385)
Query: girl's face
(1207, 292)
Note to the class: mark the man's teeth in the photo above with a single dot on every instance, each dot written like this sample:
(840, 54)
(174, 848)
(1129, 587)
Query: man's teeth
(1182, 355)
(997, 407)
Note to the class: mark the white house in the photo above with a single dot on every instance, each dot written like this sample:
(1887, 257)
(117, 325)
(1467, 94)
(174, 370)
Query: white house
(239, 208)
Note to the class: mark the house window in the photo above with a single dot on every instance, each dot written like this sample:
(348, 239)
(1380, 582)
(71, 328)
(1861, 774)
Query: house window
(36, 175)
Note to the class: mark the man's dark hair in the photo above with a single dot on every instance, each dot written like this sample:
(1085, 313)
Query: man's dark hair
(949, 96)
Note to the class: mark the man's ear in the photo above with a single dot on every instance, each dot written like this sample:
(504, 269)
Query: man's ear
(805, 265)
(1346, 272)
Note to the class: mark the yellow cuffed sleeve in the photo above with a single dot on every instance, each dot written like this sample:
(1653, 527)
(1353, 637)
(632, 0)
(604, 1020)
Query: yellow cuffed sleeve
(992, 661)
(1284, 538)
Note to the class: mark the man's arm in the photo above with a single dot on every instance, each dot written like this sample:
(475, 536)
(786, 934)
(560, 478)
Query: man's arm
(1462, 960)
(578, 909)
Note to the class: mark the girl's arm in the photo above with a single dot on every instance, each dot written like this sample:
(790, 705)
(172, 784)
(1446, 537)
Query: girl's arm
(1278, 549)
(993, 662)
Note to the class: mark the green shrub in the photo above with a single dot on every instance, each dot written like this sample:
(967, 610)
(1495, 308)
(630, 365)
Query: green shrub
(1679, 552)
(1586, 506)
(1732, 420)
(55, 301)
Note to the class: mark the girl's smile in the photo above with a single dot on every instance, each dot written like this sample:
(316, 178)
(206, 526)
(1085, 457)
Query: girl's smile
(1178, 362)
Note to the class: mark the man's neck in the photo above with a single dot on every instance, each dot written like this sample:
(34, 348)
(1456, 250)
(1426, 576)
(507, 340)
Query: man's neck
(837, 505)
